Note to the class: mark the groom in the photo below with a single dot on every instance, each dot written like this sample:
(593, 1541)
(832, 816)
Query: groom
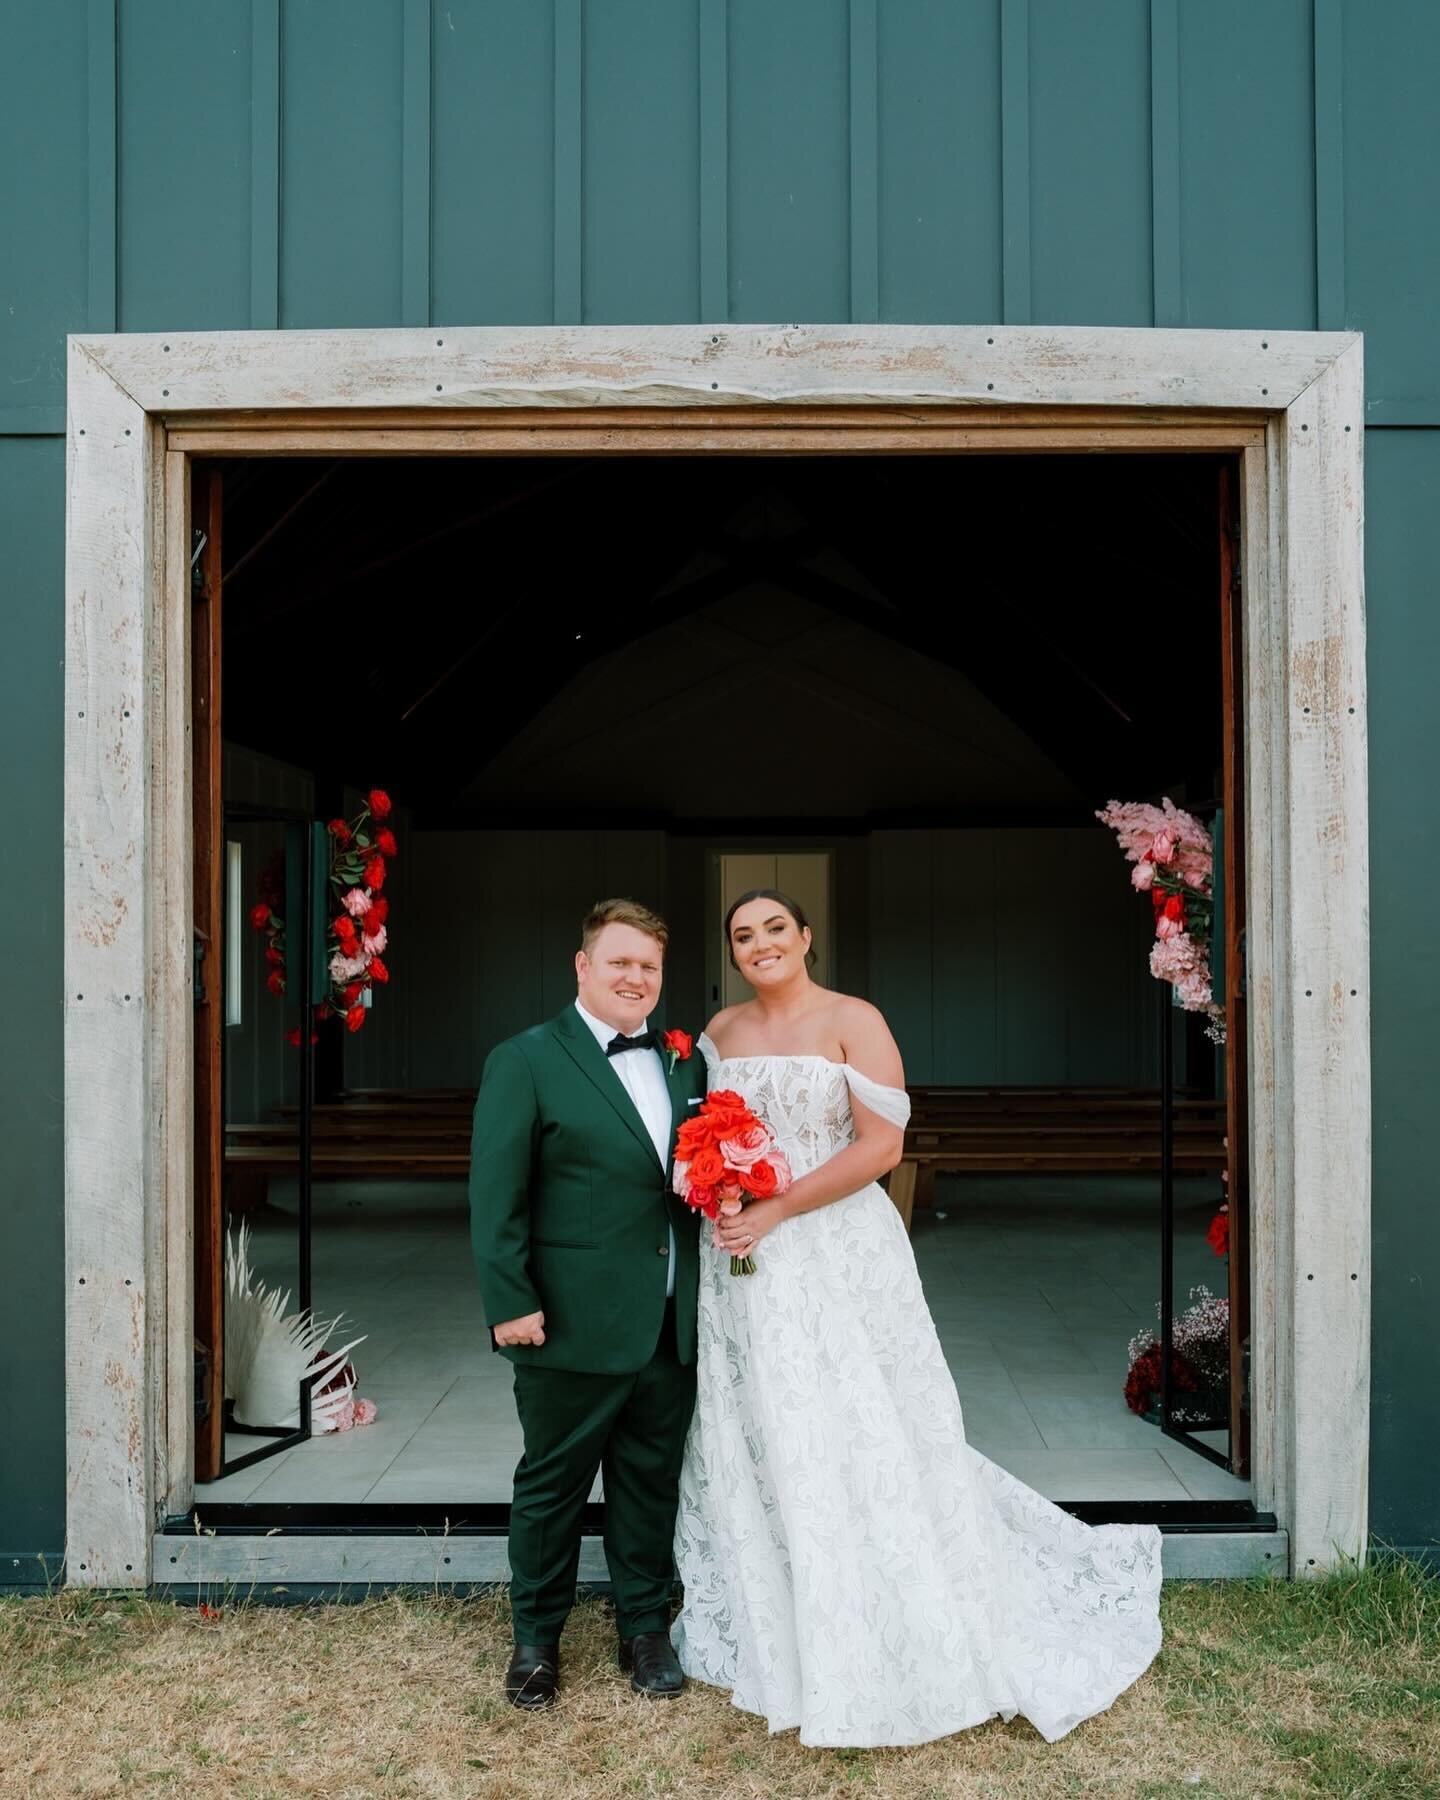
(588, 1269)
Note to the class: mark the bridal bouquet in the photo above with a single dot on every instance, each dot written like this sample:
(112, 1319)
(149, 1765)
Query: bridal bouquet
(725, 1157)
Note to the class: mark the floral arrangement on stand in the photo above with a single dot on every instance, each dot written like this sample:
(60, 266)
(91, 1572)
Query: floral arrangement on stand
(1174, 862)
(1199, 1362)
(358, 934)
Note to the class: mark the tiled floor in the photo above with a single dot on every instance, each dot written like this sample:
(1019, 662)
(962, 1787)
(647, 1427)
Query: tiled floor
(1035, 1284)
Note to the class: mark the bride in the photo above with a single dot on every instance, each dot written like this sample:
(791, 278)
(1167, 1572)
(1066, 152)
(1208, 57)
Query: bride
(851, 1565)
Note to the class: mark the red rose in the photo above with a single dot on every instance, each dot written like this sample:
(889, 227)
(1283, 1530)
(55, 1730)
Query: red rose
(693, 1136)
(353, 993)
(379, 803)
(1174, 907)
(727, 1114)
(260, 916)
(379, 912)
(378, 971)
(339, 830)
(344, 928)
(1218, 1236)
(375, 873)
(385, 841)
(272, 955)
(704, 1200)
(355, 1018)
(759, 1179)
(707, 1167)
(680, 1042)
(275, 981)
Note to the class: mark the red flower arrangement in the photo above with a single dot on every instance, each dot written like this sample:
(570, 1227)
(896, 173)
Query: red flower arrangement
(725, 1157)
(357, 934)
(679, 1046)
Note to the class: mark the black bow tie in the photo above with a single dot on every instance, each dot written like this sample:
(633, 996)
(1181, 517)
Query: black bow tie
(644, 1041)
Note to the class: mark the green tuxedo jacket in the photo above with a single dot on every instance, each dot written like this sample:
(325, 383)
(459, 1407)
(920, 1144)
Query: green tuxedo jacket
(569, 1205)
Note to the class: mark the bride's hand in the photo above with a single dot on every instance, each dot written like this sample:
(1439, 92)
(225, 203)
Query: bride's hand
(738, 1234)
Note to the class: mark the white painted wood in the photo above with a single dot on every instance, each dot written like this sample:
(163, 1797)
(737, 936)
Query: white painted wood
(172, 1258)
(1264, 777)
(127, 984)
(1329, 1122)
(200, 1560)
(713, 365)
(111, 884)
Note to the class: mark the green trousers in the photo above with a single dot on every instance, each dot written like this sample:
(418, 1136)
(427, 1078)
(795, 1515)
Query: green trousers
(631, 1427)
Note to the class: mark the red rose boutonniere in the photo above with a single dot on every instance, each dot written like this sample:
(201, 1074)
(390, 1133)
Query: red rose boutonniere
(679, 1046)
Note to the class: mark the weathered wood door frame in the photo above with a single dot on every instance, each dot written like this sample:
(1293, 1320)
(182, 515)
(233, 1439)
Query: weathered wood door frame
(1288, 404)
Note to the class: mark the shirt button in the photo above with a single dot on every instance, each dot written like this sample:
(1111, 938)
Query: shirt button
(664, 1250)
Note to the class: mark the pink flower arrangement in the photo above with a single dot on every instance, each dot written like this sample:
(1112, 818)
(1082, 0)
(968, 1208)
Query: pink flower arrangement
(1174, 862)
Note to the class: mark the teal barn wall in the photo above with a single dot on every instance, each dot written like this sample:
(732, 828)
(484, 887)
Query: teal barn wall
(283, 163)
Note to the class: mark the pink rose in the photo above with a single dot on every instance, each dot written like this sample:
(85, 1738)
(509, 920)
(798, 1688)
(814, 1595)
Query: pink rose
(783, 1174)
(1166, 927)
(1163, 847)
(356, 903)
(344, 969)
(374, 945)
(1142, 876)
(742, 1151)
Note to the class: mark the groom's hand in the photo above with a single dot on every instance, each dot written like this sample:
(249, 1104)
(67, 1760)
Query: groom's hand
(529, 1330)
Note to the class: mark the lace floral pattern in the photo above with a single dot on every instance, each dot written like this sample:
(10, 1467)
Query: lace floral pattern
(851, 1565)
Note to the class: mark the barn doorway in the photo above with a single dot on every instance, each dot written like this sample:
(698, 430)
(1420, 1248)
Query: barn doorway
(949, 665)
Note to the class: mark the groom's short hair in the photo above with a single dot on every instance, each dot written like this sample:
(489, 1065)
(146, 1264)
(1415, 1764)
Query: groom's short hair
(623, 912)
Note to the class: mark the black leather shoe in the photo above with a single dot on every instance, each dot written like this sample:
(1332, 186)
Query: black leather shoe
(531, 1679)
(653, 1665)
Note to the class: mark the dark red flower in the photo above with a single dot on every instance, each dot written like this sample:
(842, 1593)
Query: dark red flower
(353, 993)
(680, 1043)
(260, 916)
(379, 803)
(379, 912)
(1174, 907)
(1218, 1236)
(339, 830)
(378, 971)
(272, 955)
(275, 981)
(385, 841)
(375, 873)
(355, 1018)
(344, 928)
(292, 1036)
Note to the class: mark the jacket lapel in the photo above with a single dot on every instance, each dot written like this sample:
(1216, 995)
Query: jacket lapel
(592, 1062)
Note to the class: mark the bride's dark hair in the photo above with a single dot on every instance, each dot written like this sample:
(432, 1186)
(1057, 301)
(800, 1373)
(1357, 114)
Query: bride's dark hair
(793, 907)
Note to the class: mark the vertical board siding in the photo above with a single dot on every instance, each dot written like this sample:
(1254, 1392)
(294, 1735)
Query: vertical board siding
(32, 1216)
(939, 156)
(264, 164)
(493, 156)
(185, 166)
(46, 290)
(789, 243)
(1402, 554)
(1090, 199)
(1247, 165)
(985, 979)
(1392, 224)
(341, 84)
(640, 165)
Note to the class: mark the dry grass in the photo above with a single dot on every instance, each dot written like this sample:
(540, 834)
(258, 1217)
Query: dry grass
(1262, 1689)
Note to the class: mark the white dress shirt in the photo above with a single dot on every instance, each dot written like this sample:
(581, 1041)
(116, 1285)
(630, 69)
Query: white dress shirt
(642, 1076)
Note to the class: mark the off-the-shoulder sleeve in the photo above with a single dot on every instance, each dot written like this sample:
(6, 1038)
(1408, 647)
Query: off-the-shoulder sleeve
(710, 1053)
(892, 1104)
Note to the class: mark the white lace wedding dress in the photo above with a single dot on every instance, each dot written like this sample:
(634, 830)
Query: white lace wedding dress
(851, 1565)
